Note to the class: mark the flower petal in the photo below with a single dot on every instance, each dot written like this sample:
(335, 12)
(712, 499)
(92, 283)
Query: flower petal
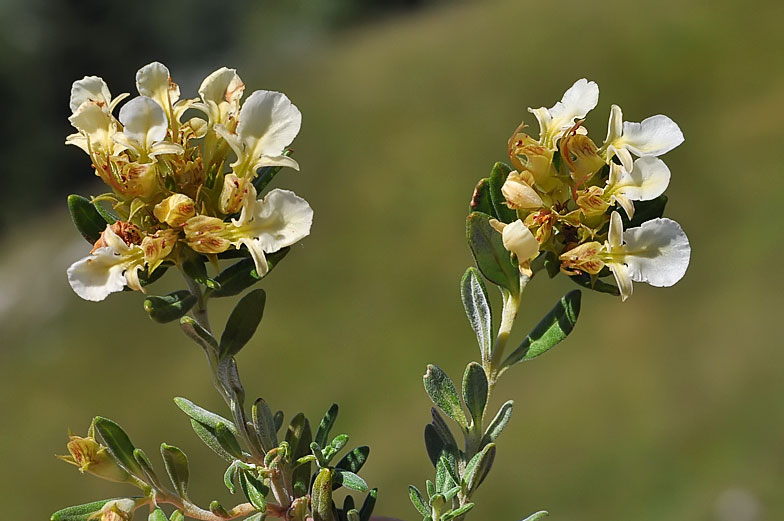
(615, 235)
(268, 123)
(518, 239)
(96, 124)
(615, 125)
(648, 179)
(279, 220)
(90, 88)
(657, 252)
(154, 81)
(622, 279)
(576, 102)
(97, 275)
(654, 136)
(222, 86)
(144, 121)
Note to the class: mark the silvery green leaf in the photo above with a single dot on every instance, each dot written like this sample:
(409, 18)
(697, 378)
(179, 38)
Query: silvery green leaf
(80, 512)
(228, 441)
(477, 308)
(475, 389)
(418, 500)
(457, 512)
(118, 442)
(146, 466)
(368, 505)
(492, 259)
(254, 490)
(242, 322)
(498, 424)
(198, 334)
(477, 469)
(176, 463)
(264, 422)
(207, 435)
(349, 480)
(442, 391)
(535, 517)
(204, 416)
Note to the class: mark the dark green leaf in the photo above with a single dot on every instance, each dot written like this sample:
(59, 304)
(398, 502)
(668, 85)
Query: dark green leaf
(497, 178)
(147, 468)
(492, 259)
(110, 216)
(480, 200)
(442, 391)
(228, 441)
(118, 442)
(644, 211)
(475, 391)
(208, 436)
(299, 437)
(498, 424)
(199, 335)
(278, 417)
(477, 308)
(477, 469)
(146, 279)
(176, 467)
(550, 331)
(264, 422)
(86, 218)
(322, 433)
(321, 497)
(80, 512)
(368, 505)
(241, 275)
(418, 500)
(169, 307)
(354, 460)
(348, 503)
(349, 480)
(242, 322)
(589, 282)
(254, 490)
(204, 416)
(433, 443)
(195, 268)
(457, 512)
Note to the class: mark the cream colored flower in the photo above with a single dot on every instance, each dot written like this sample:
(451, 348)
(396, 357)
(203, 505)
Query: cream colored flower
(653, 137)
(518, 239)
(144, 129)
(519, 194)
(576, 102)
(220, 94)
(175, 210)
(647, 180)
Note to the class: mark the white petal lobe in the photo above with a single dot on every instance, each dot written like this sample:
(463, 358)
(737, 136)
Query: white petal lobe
(657, 252)
(654, 136)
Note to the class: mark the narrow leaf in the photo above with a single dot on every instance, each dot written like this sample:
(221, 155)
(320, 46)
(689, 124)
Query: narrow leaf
(118, 442)
(475, 391)
(299, 437)
(354, 460)
(322, 433)
(442, 429)
(169, 307)
(207, 435)
(457, 512)
(477, 469)
(147, 468)
(498, 424)
(492, 259)
(535, 517)
(176, 463)
(241, 275)
(242, 322)
(254, 490)
(418, 500)
(86, 218)
(442, 391)
(550, 331)
(433, 444)
(228, 441)
(264, 422)
(204, 416)
(368, 505)
(498, 176)
(201, 336)
(477, 308)
(349, 480)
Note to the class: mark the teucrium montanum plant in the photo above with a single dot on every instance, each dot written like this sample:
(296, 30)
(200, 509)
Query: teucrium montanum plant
(188, 193)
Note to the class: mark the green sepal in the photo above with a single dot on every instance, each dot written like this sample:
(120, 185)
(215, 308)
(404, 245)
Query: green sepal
(241, 275)
(536, 517)
(321, 496)
(644, 211)
(157, 515)
(368, 505)
(477, 307)
(498, 424)
(264, 422)
(443, 393)
(242, 322)
(457, 512)
(203, 416)
(86, 218)
(80, 512)
(475, 389)
(418, 500)
(492, 259)
(550, 331)
(480, 200)
(254, 490)
(195, 268)
(118, 442)
(477, 469)
(349, 480)
(327, 422)
(498, 176)
(176, 463)
(169, 307)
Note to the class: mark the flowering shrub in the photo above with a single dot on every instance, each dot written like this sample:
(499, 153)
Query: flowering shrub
(186, 195)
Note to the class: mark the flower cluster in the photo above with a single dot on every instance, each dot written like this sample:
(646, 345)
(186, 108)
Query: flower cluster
(175, 191)
(568, 195)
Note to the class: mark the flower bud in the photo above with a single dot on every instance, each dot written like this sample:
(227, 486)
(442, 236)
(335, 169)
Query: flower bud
(117, 510)
(157, 246)
(583, 258)
(139, 179)
(538, 160)
(519, 194)
(175, 210)
(591, 202)
(235, 189)
(580, 154)
(518, 239)
(90, 456)
(203, 234)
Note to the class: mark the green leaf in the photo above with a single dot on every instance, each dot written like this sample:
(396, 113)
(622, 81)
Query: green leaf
(195, 268)
(177, 516)
(80, 512)
(348, 503)
(267, 173)
(199, 335)
(480, 200)
(208, 436)
(498, 424)
(442, 391)
(644, 211)
(242, 322)
(254, 490)
(433, 444)
(109, 216)
(157, 515)
(492, 259)
(352, 514)
(457, 512)
(118, 442)
(229, 476)
(442, 429)
(477, 469)
(497, 178)
(299, 437)
(418, 500)
(322, 433)
(210, 419)
(228, 441)
(535, 517)
(368, 505)
(265, 424)
(147, 468)
(176, 467)
(241, 275)
(260, 516)
(169, 307)
(430, 487)
(446, 476)
(349, 480)
(86, 218)
(278, 417)
(321, 497)
(593, 283)
(217, 509)
(477, 308)
(354, 460)
(550, 331)
(475, 391)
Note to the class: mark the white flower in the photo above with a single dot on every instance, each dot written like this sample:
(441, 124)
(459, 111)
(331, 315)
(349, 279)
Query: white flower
(518, 239)
(154, 81)
(647, 180)
(268, 123)
(657, 253)
(93, 88)
(220, 94)
(580, 99)
(144, 128)
(107, 269)
(96, 130)
(264, 226)
(653, 137)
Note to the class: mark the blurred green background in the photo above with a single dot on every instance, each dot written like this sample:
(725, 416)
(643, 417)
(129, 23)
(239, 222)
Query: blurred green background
(668, 406)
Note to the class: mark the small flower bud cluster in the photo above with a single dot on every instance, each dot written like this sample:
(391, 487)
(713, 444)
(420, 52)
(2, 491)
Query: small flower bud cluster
(182, 184)
(568, 193)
